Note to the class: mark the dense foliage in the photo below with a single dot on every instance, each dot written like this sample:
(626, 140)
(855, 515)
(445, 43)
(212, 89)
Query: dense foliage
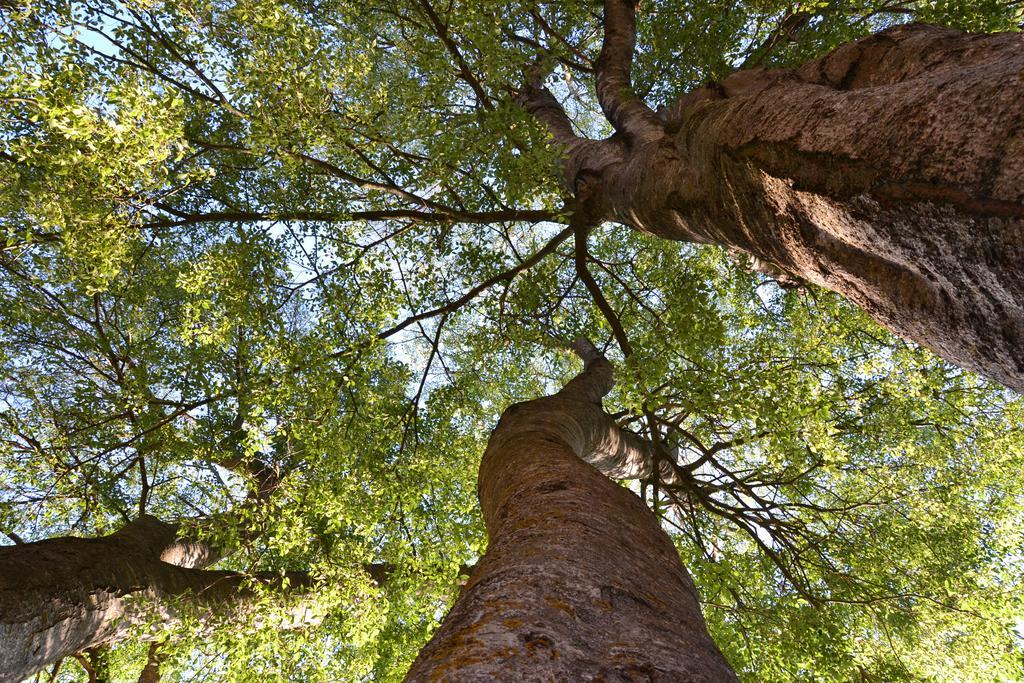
(317, 235)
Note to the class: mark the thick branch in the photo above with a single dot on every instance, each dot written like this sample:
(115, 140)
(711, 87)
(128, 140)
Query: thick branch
(543, 106)
(620, 104)
(575, 418)
(63, 595)
(154, 658)
(597, 378)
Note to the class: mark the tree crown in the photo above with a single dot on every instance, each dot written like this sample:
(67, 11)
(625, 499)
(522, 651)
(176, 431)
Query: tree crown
(274, 269)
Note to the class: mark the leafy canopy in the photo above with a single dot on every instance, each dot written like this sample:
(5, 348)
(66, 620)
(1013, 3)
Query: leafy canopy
(316, 235)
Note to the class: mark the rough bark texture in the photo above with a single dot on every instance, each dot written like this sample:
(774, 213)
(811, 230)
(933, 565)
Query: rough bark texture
(63, 595)
(579, 582)
(890, 171)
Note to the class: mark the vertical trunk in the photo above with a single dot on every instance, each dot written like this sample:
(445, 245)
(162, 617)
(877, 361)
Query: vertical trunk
(151, 671)
(579, 581)
(64, 595)
(890, 171)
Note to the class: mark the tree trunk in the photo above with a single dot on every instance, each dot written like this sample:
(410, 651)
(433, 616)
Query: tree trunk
(890, 171)
(579, 581)
(151, 671)
(63, 595)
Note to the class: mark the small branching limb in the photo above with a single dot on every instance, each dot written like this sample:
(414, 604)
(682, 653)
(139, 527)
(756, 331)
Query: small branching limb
(455, 305)
(582, 230)
(441, 29)
(789, 26)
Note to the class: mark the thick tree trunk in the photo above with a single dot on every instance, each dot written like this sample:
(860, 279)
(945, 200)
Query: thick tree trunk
(579, 582)
(890, 171)
(63, 595)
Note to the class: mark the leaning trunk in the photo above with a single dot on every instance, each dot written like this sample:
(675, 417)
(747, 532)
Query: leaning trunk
(579, 581)
(63, 595)
(890, 171)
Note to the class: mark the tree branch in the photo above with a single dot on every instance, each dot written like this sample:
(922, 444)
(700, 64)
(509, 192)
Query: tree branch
(584, 64)
(787, 29)
(503, 276)
(154, 658)
(620, 104)
(483, 217)
(597, 378)
(581, 231)
(543, 106)
(441, 29)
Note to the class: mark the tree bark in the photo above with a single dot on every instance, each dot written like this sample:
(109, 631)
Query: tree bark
(890, 171)
(64, 595)
(579, 581)
(151, 671)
